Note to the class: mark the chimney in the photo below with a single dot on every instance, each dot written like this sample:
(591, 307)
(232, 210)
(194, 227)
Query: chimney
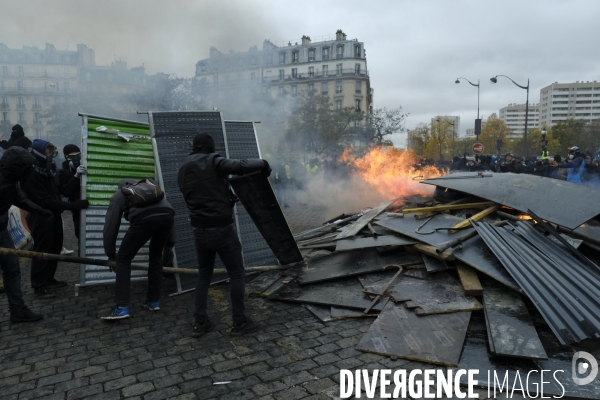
(339, 35)
(214, 52)
(305, 40)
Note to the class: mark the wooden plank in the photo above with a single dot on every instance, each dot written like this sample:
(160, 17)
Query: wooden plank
(466, 223)
(469, 280)
(398, 332)
(431, 251)
(353, 229)
(447, 207)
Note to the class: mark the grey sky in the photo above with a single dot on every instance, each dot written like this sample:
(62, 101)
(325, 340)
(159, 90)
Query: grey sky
(415, 49)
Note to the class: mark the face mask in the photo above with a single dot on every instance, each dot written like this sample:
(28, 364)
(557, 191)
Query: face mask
(74, 162)
(570, 156)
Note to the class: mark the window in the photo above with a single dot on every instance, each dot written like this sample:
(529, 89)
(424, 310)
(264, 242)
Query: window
(21, 71)
(324, 88)
(240, 62)
(357, 69)
(339, 51)
(311, 55)
(38, 133)
(4, 71)
(338, 105)
(281, 58)
(57, 86)
(253, 76)
(294, 72)
(311, 72)
(338, 69)
(325, 70)
(21, 118)
(325, 53)
(269, 59)
(295, 56)
(281, 74)
(20, 86)
(294, 90)
(357, 103)
(4, 101)
(36, 102)
(311, 88)
(66, 86)
(20, 102)
(37, 118)
(357, 124)
(358, 88)
(338, 86)
(5, 116)
(253, 60)
(357, 51)
(1, 85)
(281, 90)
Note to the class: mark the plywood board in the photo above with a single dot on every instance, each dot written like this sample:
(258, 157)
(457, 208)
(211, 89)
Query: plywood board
(509, 326)
(469, 280)
(368, 242)
(436, 339)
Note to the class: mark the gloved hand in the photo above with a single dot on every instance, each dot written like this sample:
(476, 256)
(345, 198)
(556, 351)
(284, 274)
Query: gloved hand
(46, 214)
(168, 256)
(266, 171)
(81, 170)
(81, 204)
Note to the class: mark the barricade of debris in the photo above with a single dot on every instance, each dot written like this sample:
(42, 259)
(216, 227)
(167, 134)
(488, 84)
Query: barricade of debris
(496, 272)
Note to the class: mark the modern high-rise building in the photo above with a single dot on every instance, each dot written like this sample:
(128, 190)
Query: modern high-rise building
(561, 101)
(335, 67)
(514, 116)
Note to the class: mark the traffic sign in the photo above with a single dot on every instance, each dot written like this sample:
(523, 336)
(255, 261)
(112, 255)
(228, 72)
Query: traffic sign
(477, 148)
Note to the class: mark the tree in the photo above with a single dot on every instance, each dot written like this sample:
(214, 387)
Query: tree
(493, 130)
(534, 136)
(569, 133)
(385, 122)
(418, 139)
(442, 136)
(465, 145)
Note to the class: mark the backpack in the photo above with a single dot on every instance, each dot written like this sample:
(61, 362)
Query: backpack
(142, 194)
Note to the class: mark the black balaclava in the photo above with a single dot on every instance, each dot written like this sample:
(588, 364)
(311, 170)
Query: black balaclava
(204, 142)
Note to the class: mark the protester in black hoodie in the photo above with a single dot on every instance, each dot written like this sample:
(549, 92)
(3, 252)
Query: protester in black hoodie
(69, 180)
(16, 165)
(17, 132)
(203, 181)
(47, 235)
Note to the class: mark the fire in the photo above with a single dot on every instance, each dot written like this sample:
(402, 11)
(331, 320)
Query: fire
(390, 171)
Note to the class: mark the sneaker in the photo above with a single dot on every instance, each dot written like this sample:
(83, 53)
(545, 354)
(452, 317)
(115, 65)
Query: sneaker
(201, 329)
(42, 294)
(65, 252)
(117, 313)
(53, 284)
(25, 315)
(247, 327)
(151, 305)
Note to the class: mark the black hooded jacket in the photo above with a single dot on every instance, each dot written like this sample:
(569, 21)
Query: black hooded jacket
(43, 189)
(203, 181)
(14, 165)
(68, 185)
(5, 144)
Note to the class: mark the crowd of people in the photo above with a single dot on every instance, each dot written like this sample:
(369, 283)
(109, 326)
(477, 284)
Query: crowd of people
(577, 167)
(30, 180)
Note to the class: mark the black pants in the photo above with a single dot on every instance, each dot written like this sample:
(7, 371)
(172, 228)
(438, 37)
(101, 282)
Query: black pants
(156, 229)
(11, 274)
(223, 241)
(47, 238)
(77, 222)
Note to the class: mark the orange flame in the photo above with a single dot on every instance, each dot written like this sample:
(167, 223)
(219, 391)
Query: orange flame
(390, 171)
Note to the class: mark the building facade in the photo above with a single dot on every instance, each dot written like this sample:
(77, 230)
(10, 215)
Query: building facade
(334, 68)
(514, 117)
(561, 101)
(454, 120)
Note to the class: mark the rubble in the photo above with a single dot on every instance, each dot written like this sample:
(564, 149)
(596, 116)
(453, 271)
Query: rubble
(478, 278)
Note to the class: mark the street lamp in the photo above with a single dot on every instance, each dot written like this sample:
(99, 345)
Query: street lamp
(477, 120)
(494, 80)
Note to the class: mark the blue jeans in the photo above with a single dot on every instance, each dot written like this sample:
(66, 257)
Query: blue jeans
(11, 274)
(224, 242)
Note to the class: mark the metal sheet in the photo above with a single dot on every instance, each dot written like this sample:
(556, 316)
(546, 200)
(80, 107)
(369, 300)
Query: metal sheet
(566, 293)
(262, 282)
(433, 264)
(109, 159)
(352, 263)
(323, 313)
(473, 251)
(509, 326)
(354, 228)
(343, 313)
(364, 243)
(436, 339)
(343, 293)
(257, 196)
(442, 294)
(419, 274)
(543, 196)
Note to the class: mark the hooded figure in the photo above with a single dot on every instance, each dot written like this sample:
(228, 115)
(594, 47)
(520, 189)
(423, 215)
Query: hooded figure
(17, 132)
(16, 165)
(69, 180)
(41, 188)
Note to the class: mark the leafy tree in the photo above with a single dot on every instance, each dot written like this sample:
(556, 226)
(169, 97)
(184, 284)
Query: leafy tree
(534, 136)
(569, 133)
(442, 136)
(418, 139)
(465, 146)
(493, 130)
(385, 122)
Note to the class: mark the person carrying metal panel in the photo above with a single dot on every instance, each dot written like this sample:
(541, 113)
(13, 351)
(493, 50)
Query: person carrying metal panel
(144, 205)
(203, 181)
(69, 180)
(16, 166)
(41, 188)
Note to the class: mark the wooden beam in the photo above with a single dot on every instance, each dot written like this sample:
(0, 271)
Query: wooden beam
(469, 280)
(467, 222)
(446, 207)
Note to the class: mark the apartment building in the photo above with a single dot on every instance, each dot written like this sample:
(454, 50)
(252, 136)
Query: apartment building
(561, 101)
(514, 117)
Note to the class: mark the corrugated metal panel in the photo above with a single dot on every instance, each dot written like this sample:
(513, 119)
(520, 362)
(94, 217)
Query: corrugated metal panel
(565, 292)
(110, 159)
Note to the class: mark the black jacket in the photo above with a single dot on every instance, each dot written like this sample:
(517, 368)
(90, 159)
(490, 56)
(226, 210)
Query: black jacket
(42, 189)
(203, 181)
(68, 185)
(5, 144)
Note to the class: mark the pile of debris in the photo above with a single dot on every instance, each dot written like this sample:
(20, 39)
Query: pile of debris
(496, 272)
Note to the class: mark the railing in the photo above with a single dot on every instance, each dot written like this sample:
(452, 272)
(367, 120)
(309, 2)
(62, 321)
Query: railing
(346, 73)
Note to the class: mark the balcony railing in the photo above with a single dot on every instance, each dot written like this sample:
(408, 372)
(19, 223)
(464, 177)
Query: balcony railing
(345, 73)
